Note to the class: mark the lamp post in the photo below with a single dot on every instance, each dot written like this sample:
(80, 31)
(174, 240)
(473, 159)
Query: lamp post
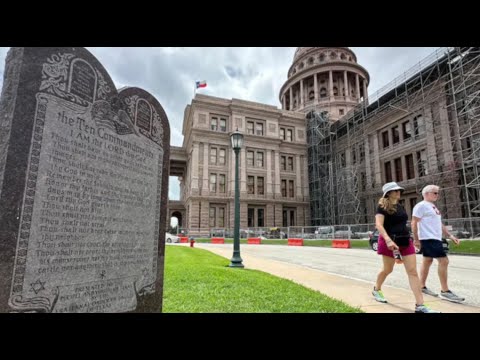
(236, 261)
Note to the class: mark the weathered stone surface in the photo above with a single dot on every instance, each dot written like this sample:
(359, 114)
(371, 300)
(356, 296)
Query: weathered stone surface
(83, 187)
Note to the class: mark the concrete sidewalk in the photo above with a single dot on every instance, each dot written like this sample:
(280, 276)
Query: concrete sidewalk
(357, 293)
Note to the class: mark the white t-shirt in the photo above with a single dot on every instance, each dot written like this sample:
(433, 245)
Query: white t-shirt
(430, 224)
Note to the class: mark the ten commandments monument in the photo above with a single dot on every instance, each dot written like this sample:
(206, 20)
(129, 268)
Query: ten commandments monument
(83, 187)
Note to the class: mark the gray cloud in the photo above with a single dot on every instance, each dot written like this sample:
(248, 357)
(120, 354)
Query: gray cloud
(254, 74)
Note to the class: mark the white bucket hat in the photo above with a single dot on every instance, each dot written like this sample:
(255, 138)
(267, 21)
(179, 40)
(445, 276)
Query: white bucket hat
(390, 187)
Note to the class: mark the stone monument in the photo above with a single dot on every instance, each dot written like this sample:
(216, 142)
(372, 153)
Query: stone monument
(83, 187)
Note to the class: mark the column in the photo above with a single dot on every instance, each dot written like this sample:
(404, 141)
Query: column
(231, 189)
(284, 102)
(298, 180)
(365, 93)
(376, 161)
(243, 171)
(194, 166)
(368, 169)
(269, 174)
(430, 132)
(404, 167)
(315, 85)
(357, 83)
(291, 99)
(301, 93)
(330, 83)
(277, 174)
(206, 177)
(345, 81)
(305, 177)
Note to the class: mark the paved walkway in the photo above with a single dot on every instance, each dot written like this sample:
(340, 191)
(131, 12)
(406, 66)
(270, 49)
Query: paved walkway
(356, 293)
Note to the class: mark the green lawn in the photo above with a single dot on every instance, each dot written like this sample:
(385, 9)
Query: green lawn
(197, 281)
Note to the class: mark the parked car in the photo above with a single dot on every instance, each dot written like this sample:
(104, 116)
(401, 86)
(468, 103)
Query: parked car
(374, 242)
(169, 238)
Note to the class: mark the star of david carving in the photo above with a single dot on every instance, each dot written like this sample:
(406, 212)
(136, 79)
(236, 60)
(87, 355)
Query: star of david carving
(37, 286)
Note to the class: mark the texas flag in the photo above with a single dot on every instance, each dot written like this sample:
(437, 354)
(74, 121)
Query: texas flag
(201, 84)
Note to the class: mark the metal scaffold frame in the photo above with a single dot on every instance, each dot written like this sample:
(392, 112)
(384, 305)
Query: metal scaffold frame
(441, 97)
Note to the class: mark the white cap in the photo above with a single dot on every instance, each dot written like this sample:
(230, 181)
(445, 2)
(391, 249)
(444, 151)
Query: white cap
(390, 187)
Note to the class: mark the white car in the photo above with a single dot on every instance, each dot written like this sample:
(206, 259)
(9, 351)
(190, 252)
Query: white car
(169, 238)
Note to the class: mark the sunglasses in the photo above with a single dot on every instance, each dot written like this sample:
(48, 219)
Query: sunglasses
(434, 193)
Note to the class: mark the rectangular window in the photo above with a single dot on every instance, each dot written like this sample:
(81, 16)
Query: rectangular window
(422, 163)
(290, 163)
(388, 171)
(385, 140)
(213, 156)
(396, 135)
(260, 218)
(251, 217)
(250, 157)
(407, 130)
(214, 123)
(251, 184)
(260, 186)
(288, 217)
(212, 217)
(284, 188)
(260, 159)
(213, 182)
(289, 135)
(354, 154)
(398, 169)
(418, 125)
(282, 133)
(221, 217)
(223, 125)
(259, 129)
(283, 163)
(221, 157)
(221, 183)
(250, 127)
(291, 188)
(410, 167)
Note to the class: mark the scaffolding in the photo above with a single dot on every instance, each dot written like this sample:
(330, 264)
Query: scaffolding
(439, 99)
(320, 168)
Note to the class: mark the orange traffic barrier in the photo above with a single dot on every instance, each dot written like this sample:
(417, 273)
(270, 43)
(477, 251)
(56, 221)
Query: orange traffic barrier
(183, 239)
(256, 241)
(345, 244)
(217, 240)
(295, 242)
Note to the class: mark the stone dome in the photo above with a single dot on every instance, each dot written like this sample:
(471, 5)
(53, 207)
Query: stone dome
(303, 50)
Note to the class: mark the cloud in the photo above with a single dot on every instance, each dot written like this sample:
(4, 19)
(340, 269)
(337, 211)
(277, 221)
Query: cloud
(248, 73)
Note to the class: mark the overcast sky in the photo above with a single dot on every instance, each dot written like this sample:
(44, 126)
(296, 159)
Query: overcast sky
(254, 74)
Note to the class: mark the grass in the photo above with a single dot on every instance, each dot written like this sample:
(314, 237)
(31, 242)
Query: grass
(465, 247)
(197, 281)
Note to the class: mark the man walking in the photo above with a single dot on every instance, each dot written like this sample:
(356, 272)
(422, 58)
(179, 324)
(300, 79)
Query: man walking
(427, 230)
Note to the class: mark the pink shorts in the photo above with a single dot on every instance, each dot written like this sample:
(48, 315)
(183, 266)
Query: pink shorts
(404, 250)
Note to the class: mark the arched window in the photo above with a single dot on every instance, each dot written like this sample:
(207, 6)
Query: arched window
(310, 61)
(311, 95)
(335, 91)
(333, 55)
(322, 57)
(343, 57)
(323, 92)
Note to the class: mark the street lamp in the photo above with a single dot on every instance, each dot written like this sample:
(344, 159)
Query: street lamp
(236, 261)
